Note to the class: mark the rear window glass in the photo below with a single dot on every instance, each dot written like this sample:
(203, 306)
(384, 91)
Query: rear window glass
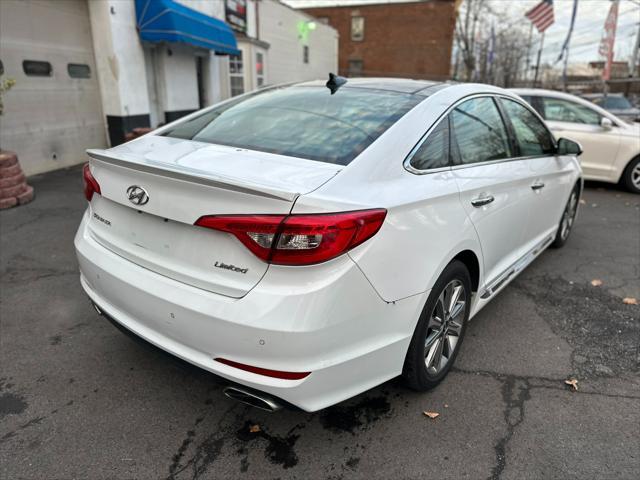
(305, 122)
(620, 103)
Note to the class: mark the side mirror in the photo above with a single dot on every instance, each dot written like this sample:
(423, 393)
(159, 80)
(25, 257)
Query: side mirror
(569, 147)
(606, 123)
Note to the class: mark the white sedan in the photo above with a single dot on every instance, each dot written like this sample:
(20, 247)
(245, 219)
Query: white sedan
(611, 145)
(309, 243)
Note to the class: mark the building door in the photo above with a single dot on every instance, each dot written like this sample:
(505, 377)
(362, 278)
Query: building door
(54, 112)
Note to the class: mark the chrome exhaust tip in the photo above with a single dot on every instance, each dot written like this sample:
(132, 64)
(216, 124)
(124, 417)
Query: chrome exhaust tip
(255, 399)
(96, 308)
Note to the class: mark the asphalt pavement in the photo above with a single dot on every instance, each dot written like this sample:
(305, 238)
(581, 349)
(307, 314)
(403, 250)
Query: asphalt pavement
(78, 399)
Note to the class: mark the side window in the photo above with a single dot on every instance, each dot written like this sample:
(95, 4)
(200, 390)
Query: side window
(357, 29)
(479, 131)
(532, 136)
(562, 110)
(434, 150)
(236, 74)
(355, 68)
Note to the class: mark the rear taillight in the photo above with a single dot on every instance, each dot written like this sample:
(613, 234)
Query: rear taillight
(91, 185)
(299, 239)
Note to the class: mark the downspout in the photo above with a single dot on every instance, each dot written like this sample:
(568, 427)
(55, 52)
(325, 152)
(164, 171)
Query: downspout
(257, 19)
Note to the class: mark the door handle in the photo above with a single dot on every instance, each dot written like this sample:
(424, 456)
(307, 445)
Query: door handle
(480, 201)
(537, 186)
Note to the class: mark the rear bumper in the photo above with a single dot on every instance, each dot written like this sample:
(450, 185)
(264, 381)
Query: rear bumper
(325, 319)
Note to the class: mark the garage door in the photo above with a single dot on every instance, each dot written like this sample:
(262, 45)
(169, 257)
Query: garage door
(53, 113)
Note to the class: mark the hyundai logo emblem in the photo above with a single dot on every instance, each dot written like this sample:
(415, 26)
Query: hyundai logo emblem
(137, 195)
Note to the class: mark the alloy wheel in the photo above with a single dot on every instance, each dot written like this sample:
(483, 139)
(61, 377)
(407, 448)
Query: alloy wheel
(635, 176)
(444, 327)
(569, 216)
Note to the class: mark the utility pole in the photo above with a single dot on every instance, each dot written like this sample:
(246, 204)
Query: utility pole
(526, 71)
(634, 55)
(564, 69)
(535, 79)
(634, 61)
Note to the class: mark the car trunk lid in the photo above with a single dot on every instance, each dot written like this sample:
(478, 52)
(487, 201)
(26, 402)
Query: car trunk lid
(183, 181)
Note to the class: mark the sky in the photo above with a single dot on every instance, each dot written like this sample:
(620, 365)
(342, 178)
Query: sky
(587, 31)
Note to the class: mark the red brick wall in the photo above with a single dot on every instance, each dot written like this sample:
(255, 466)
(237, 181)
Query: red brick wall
(400, 40)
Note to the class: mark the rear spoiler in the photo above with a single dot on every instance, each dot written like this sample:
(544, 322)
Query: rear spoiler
(190, 175)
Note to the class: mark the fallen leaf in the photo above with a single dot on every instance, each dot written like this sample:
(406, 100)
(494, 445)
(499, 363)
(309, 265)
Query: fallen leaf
(582, 202)
(254, 428)
(446, 406)
(573, 382)
(596, 282)
(432, 414)
(630, 301)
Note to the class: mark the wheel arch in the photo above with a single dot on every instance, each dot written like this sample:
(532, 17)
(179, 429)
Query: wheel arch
(472, 262)
(627, 165)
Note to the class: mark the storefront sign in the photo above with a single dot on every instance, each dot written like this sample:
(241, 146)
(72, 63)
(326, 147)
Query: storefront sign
(236, 14)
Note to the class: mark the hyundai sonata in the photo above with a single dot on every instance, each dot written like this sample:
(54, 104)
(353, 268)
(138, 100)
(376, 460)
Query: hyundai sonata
(308, 243)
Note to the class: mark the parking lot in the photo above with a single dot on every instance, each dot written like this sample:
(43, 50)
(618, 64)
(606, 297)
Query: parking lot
(78, 399)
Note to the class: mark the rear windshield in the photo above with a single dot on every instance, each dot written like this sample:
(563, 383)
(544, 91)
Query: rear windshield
(305, 122)
(619, 103)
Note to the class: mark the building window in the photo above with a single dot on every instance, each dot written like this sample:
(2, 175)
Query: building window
(357, 29)
(236, 74)
(305, 54)
(259, 69)
(355, 68)
(79, 70)
(37, 68)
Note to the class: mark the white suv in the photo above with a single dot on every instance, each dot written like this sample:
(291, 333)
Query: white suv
(308, 243)
(611, 145)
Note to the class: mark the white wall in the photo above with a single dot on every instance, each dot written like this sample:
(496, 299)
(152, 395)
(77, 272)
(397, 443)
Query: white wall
(213, 8)
(120, 57)
(278, 27)
(177, 74)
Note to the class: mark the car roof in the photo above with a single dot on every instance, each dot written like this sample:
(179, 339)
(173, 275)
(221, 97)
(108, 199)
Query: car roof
(399, 85)
(600, 95)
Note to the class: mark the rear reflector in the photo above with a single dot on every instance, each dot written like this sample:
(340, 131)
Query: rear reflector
(299, 239)
(264, 371)
(91, 185)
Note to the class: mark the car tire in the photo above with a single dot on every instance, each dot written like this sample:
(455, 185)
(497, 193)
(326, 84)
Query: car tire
(631, 176)
(568, 218)
(439, 334)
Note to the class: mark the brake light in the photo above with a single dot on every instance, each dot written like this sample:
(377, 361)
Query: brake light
(90, 183)
(264, 371)
(299, 239)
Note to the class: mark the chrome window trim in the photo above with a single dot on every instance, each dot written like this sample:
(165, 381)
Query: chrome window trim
(411, 169)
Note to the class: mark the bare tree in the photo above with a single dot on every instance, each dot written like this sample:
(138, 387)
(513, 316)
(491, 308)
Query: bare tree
(485, 59)
(466, 33)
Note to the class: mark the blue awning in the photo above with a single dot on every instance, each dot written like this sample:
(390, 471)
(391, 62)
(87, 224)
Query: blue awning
(168, 21)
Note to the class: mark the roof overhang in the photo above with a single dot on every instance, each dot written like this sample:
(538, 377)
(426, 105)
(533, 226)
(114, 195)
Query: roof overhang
(168, 21)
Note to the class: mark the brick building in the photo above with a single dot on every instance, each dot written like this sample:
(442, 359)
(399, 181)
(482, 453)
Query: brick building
(411, 39)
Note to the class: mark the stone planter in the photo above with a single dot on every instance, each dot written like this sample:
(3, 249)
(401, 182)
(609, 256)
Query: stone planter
(13, 183)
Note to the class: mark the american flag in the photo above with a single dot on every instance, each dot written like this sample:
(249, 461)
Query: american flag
(541, 15)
